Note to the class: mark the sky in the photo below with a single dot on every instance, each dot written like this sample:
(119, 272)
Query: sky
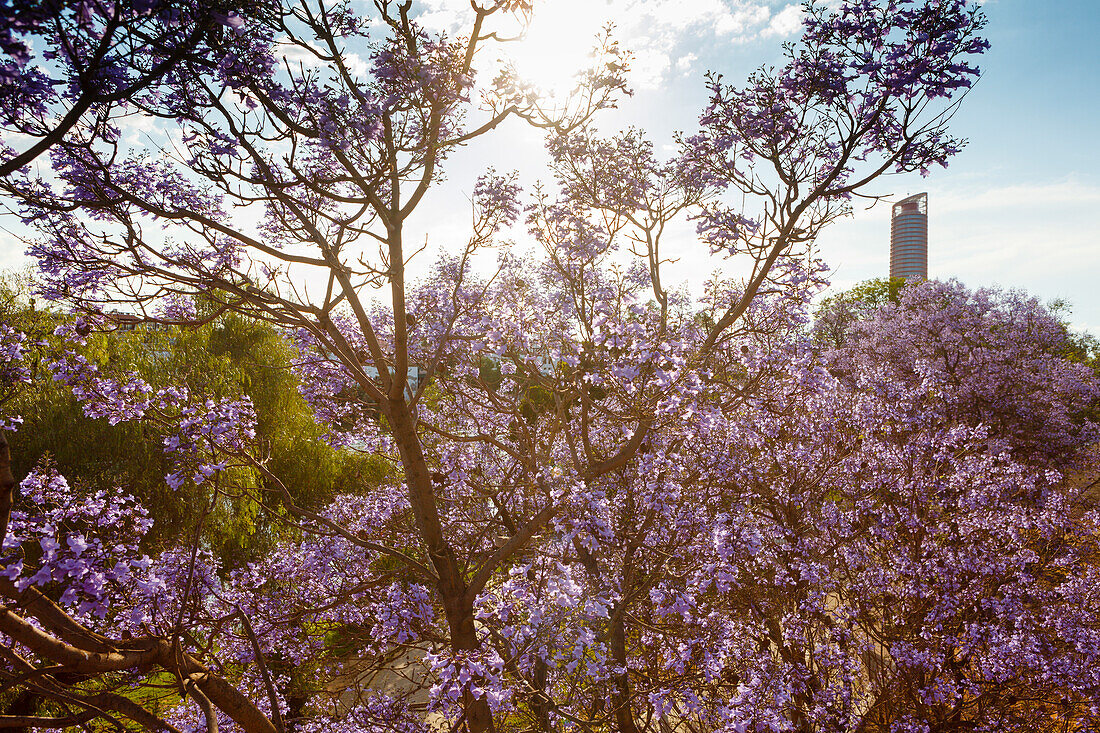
(1019, 206)
(1015, 209)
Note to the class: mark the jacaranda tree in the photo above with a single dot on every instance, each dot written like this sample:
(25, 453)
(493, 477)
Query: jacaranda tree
(613, 506)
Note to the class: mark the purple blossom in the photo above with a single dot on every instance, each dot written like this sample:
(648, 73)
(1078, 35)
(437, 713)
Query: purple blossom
(88, 544)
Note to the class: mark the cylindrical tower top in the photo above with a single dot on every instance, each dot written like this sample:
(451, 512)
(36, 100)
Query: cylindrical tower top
(915, 203)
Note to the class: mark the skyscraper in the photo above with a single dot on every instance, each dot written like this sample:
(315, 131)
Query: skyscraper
(909, 238)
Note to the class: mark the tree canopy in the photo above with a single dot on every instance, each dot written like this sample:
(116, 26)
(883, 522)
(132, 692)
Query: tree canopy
(607, 504)
(228, 357)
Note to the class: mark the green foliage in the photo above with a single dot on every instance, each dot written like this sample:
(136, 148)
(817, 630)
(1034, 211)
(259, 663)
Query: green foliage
(536, 400)
(227, 358)
(489, 373)
(836, 314)
(1083, 348)
(1080, 347)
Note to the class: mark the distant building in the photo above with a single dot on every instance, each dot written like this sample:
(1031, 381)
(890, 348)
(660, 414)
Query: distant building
(125, 322)
(909, 238)
(413, 378)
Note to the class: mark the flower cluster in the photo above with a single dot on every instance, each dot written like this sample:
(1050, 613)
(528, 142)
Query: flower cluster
(474, 673)
(202, 437)
(85, 546)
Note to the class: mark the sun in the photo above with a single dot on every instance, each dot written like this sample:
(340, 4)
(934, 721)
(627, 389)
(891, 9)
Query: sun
(558, 44)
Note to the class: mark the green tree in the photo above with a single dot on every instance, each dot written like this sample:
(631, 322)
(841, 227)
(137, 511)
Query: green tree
(227, 357)
(836, 314)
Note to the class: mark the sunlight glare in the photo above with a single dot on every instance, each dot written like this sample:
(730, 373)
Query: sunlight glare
(558, 44)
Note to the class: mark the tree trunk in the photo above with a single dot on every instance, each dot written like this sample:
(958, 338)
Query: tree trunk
(7, 485)
(624, 713)
(451, 585)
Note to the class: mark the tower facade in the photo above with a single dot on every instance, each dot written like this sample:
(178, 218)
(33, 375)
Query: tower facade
(909, 238)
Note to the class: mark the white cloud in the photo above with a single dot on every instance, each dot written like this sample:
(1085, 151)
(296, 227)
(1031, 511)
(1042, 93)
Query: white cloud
(296, 55)
(660, 33)
(740, 24)
(445, 15)
(685, 63)
(786, 22)
(1019, 197)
